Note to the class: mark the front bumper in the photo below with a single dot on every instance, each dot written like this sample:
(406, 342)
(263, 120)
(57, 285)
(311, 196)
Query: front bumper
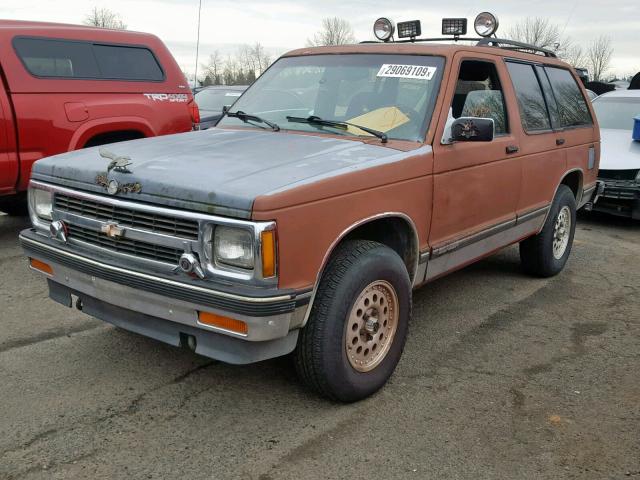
(620, 197)
(167, 309)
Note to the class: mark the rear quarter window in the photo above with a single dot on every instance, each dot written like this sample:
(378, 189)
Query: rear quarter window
(53, 58)
(572, 107)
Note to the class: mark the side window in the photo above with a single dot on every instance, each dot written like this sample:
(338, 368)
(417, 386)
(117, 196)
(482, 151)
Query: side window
(549, 96)
(479, 94)
(53, 58)
(533, 109)
(572, 107)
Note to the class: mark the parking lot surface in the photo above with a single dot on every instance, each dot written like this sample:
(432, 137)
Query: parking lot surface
(504, 376)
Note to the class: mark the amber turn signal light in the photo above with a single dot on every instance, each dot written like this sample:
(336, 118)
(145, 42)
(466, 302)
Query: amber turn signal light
(226, 323)
(268, 241)
(41, 266)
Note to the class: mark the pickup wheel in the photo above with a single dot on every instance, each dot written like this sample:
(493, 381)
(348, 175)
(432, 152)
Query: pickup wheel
(357, 328)
(546, 254)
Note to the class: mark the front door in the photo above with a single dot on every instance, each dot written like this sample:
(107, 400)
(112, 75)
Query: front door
(476, 184)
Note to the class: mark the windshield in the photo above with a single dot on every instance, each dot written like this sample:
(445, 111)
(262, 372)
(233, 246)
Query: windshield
(393, 94)
(616, 112)
(214, 100)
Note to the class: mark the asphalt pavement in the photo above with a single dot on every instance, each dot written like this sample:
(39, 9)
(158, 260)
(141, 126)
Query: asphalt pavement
(503, 377)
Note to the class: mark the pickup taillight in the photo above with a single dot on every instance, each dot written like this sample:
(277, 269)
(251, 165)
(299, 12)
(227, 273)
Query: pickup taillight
(194, 111)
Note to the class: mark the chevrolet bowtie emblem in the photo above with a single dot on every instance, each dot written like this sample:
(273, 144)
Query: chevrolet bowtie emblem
(118, 163)
(112, 230)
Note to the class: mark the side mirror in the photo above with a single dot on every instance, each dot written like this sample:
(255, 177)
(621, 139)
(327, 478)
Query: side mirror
(472, 129)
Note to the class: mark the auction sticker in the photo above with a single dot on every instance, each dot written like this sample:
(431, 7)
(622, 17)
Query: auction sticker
(418, 72)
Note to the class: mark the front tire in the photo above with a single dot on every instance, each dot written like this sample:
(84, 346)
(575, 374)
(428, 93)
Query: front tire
(358, 323)
(545, 254)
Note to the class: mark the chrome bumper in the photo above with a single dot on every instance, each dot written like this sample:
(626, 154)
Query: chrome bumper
(165, 309)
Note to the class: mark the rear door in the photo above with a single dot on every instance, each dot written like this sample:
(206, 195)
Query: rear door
(8, 154)
(544, 160)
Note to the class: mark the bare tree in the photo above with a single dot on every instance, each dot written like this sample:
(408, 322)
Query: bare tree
(335, 31)
(536, 31)
(213, 69)
(542, 33)
(105, 18)
(599, 57)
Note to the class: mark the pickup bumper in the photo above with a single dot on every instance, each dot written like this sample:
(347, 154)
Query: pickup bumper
(167, 309)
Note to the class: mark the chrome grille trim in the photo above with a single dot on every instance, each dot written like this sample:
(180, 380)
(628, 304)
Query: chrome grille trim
(125, 245)
(127, 217)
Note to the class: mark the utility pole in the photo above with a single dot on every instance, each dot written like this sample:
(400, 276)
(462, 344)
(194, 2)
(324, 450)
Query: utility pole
(195, 77)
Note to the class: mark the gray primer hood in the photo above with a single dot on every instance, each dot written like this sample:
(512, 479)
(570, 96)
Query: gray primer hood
(215, 171)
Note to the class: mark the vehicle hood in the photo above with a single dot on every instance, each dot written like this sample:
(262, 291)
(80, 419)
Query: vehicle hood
(618, 151)
(215, 171)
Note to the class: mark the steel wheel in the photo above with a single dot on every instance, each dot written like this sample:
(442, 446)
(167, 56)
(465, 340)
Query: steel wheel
(371, 326)
(561, 232)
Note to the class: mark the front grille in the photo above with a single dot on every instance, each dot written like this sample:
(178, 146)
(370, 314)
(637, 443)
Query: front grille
(126, 217)
(618, 174)
(125, 245)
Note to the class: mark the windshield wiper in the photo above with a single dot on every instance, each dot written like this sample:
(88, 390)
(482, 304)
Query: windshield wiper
(247, 117)
(314, 120)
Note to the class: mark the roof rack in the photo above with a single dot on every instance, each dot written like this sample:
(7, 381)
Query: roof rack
(484, 42)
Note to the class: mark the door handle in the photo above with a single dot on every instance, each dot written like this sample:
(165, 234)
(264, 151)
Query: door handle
(560, 141)
(512, 149)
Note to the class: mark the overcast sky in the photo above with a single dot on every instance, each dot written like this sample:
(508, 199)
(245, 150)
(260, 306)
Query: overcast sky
(281, 25)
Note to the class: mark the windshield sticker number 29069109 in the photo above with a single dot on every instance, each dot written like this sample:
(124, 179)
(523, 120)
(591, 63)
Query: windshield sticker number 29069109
(418, 72)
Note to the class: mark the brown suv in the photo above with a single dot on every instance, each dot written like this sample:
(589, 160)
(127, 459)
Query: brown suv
(343, 178)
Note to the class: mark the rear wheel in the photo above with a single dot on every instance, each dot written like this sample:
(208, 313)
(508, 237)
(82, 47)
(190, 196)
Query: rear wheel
(358, 323)
(547, 253)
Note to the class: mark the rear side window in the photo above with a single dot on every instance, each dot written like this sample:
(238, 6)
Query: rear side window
(54, 58)
(533, 108)
(572, 107)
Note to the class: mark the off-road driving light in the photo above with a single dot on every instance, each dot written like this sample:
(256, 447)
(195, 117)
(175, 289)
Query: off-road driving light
(411, 29)
(383, 29)
(41, 203)
(454, 26)
(486, 24)
(233, 246)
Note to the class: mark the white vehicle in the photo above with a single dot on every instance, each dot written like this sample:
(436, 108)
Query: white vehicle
(620, 154)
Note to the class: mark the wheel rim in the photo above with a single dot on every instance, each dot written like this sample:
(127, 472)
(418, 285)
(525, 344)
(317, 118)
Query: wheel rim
(561, 232)
(371, 326)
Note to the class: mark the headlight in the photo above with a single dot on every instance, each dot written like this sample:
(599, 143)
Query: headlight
(233, 246)
(41, 203)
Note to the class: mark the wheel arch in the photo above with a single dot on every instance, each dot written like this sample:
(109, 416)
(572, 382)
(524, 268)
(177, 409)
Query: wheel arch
(401, 235)
(574, 180)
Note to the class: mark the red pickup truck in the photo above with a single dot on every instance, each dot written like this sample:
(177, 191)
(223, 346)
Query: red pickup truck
(66, 87)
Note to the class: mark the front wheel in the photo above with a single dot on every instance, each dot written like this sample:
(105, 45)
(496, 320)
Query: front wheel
(358, 323)
(546, 254)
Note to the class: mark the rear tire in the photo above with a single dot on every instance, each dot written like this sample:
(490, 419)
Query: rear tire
(358, 323)
(545, 254)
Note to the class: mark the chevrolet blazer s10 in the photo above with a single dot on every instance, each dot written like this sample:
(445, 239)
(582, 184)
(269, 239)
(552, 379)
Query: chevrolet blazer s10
(340, 180)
